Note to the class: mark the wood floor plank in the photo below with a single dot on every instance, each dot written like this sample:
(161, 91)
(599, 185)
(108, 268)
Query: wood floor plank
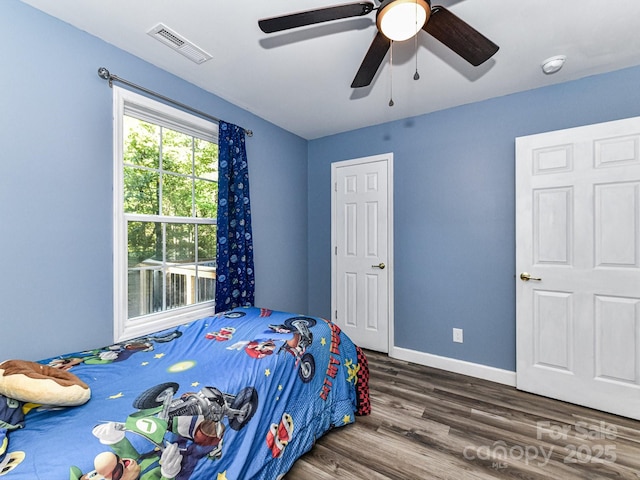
(432, 424)
(326, 463)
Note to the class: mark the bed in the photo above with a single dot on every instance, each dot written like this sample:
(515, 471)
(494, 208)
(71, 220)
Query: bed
(238, 395)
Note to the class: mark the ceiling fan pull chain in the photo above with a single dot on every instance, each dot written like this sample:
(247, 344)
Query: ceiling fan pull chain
(416, 76)
(391, 75)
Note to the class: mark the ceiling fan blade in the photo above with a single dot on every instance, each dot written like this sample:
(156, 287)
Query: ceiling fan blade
(459, 36)
(372, 60)
(310, 17)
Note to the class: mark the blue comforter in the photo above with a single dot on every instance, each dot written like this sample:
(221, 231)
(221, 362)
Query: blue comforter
(239, 395)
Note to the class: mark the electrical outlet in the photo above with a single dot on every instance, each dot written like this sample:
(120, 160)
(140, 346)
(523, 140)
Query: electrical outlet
(457, 335)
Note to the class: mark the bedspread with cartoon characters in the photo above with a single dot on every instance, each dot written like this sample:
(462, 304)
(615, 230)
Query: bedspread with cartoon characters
(239, 395)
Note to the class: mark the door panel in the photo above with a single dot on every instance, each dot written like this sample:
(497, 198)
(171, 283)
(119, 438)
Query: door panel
(616, 224)
(617, 325)
(553, 329)
(553, 226)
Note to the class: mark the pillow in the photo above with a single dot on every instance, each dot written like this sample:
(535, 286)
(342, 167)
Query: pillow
(36, 383)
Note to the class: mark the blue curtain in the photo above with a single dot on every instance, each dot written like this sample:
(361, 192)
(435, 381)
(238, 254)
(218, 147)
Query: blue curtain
(235, 285)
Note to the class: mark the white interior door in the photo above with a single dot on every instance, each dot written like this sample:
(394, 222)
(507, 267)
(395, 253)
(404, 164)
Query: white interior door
(362, 269)
(578, 237)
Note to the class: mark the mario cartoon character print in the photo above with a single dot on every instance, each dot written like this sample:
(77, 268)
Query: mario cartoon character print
(294, 337)
(298, 344)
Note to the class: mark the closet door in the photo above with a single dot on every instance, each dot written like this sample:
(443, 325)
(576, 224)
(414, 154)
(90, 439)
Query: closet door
(362, 269)
(578, 265)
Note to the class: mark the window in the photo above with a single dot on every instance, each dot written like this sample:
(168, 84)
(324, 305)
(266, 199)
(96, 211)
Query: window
(165, 190)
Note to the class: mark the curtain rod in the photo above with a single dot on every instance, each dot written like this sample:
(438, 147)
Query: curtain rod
(104, 73)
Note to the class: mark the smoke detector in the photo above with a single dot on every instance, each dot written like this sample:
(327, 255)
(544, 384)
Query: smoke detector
(180, 44)
(553, 64)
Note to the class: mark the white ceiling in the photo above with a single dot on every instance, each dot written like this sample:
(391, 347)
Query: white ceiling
(300, 79)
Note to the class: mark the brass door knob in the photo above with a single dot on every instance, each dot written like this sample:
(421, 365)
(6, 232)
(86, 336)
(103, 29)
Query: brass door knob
(525, 277)
(380, 266)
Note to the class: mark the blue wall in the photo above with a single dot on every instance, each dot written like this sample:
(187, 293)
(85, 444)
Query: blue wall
(454, 197)
(454, 210)
(56, 183)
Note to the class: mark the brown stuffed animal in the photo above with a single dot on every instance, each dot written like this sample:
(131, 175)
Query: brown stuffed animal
(36, 383)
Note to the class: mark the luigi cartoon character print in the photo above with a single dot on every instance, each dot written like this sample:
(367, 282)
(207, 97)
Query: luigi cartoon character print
(180, 432)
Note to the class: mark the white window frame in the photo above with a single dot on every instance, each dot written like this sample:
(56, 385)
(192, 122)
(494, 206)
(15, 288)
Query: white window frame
(126, 102)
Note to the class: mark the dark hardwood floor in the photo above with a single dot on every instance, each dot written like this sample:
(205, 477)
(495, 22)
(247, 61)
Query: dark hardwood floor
(431, 424)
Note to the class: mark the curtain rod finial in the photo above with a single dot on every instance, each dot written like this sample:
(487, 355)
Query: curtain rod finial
(104, 73)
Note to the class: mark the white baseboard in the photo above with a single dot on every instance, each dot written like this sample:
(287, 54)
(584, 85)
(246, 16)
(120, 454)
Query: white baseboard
(477, 370)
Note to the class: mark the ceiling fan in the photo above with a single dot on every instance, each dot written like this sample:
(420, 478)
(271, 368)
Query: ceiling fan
(396, 20)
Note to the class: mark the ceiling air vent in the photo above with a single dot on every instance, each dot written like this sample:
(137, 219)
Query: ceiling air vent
(179, 43)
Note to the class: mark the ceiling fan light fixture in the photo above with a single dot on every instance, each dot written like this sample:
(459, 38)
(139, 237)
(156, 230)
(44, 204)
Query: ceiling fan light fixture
(400, 20)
